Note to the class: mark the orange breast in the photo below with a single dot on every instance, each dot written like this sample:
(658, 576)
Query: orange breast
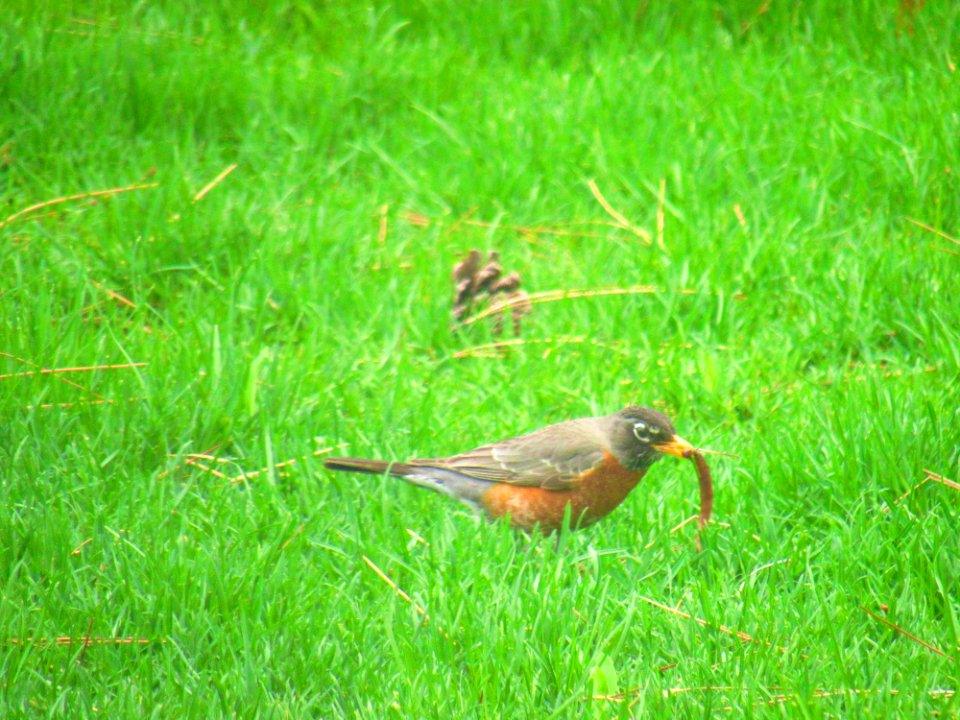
(593, 497)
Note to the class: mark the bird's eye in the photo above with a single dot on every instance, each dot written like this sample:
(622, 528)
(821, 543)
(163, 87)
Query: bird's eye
(640, 432)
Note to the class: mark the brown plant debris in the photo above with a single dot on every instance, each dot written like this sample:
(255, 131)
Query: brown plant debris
(908, 634)
(70, 198)
(476, 283)
(213, 183)
(86, 641)
(783, 695)
(42, 370)
(930, 476)
(202, 461)
(742, 636)
(941, 479)
(87, 368)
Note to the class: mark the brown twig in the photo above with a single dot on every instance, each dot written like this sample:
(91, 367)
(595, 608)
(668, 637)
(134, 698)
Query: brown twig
(66, 640)
(784, 695)
(906, 633)
(85, 368)
(213, 183)
(244, 476)
(722, 628)
(80, 196)
(115, 295)
(683, 524)
(80, 403)
(933, 230)
(930, 476)
(193, 460)
(942, 480)
(61, 379)
(86, 642)
(292, 537)
(79, 548)
(207, 468)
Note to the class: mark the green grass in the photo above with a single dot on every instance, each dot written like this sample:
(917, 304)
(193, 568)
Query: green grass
(821, 342)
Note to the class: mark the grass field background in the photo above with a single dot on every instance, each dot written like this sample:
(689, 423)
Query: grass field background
(778, 157)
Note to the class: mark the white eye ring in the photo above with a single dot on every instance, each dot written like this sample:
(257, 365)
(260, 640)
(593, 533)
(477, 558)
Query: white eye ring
(640, 432)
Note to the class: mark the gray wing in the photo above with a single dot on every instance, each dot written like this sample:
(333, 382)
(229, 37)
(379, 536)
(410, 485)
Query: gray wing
(553, 458)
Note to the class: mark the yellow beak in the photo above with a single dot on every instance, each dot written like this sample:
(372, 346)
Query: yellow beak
(674, 446)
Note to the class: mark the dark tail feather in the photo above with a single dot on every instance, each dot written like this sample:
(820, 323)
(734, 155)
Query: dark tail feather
(371, 467)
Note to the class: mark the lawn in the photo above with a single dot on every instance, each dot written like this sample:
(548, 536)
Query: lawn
(226, 239)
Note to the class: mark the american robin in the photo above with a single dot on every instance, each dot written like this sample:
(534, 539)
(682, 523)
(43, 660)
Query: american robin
(589, 464)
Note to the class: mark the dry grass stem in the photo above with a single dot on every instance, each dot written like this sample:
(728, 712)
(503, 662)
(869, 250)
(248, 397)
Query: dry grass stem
(417, 537)
(193, 460)
(930, 476)
(495, 349)
(84, 368)
(81, 403)
(621, 220)
(722, 628)
(906, 494)
(86, 642)
(79, 548)
(942, 480)
(933, 230)
(70, 198)
(67, 381)
(767, 566)
(683, 524)
(738, 211)
(423, 613)
(554, 295)
(195, 39)
(213, 183)
(783, 694)
(115, 295)
(244, 476)
(66, 640)
(207, 468)
(787, 696)
(292, 537)
(908, 634)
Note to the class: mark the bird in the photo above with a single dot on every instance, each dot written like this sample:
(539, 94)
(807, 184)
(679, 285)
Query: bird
(586, 467)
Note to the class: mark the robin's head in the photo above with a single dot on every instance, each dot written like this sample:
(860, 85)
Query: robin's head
(641, 436)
